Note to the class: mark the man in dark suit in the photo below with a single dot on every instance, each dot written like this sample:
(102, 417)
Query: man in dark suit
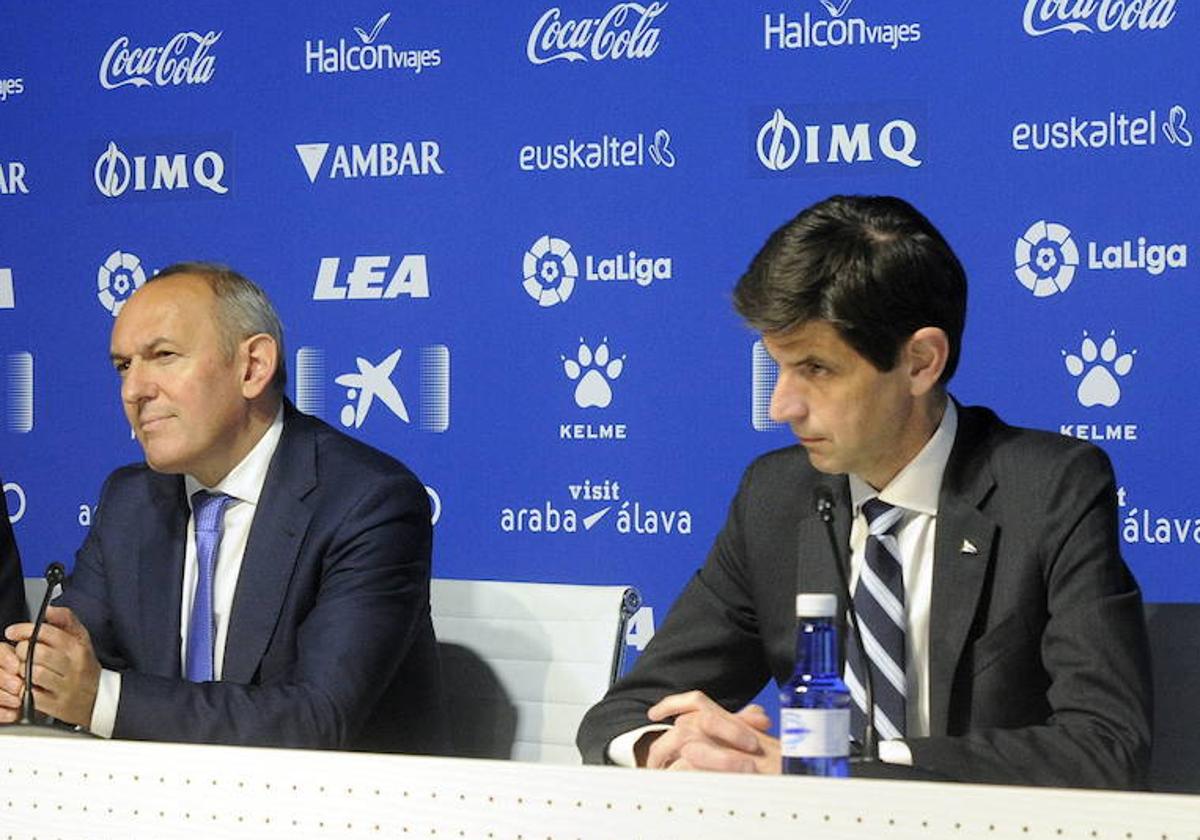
(12, 581)
(1021, 655)
(262, 578)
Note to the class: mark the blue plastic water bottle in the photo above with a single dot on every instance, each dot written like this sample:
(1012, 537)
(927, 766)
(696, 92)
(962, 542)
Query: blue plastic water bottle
(814, 706)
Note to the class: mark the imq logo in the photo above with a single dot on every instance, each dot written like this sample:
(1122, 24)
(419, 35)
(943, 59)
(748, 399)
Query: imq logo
(1096, 16)
(781, 143)
(158, 174)
(374, 160)
(18, 392)
(625, 31)
(370, 385)
(185, 59)
(373, 278)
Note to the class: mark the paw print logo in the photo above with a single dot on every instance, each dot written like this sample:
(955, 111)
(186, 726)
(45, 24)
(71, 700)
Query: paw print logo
(1046, 258)
(1099, 385)
(592, 371)
(550, 271)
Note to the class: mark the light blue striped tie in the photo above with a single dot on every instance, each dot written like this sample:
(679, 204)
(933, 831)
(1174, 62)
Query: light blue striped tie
(879, 602)
(208, 517)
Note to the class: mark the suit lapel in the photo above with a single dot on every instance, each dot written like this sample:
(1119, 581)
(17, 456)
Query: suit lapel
(962, 557)
(160, 575)
(276, 534)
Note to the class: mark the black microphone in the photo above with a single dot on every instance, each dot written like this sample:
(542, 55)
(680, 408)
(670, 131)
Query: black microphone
(823, 501)
(55, 574)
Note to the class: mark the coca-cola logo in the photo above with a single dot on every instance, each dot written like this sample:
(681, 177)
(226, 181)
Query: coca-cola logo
(183, 60)
(625, 31)
(1045, 16)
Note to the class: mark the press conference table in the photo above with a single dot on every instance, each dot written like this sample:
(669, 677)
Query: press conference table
(69, 788)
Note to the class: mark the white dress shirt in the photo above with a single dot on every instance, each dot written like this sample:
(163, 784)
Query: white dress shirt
(244, 483)
(915, 488)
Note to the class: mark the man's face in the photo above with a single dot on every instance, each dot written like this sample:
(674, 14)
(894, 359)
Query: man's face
(181, 394)
(849, 416)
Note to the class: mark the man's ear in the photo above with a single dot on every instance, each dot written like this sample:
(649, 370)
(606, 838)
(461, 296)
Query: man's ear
(260, 355)
(926, 355)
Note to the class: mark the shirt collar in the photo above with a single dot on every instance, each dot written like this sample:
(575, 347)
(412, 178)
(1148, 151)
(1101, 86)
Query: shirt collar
(245, 481)
(917, 486)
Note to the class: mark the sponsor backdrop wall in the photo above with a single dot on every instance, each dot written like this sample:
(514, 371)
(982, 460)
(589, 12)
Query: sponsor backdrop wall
(502, 238)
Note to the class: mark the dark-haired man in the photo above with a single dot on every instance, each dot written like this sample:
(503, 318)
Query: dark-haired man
(1005, 631)
(262, 578)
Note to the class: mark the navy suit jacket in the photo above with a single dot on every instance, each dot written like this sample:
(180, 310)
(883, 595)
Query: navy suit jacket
(12, 581)
(1038, 660)
(330, 643)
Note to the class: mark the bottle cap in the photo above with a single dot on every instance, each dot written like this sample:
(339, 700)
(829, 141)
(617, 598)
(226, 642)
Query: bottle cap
(816, 605)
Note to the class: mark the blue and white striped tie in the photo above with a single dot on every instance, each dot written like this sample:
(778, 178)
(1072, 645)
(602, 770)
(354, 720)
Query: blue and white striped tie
(879, 602)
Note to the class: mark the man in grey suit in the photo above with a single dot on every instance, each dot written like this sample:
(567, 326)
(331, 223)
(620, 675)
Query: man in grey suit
(1022, 654)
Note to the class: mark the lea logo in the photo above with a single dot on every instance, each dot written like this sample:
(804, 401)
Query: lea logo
(373, 278)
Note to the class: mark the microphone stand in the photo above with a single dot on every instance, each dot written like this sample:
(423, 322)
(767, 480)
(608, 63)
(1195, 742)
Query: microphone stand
(29, 723)
(870, 745)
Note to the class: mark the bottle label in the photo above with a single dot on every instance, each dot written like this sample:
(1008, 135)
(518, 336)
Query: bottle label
(814, 733)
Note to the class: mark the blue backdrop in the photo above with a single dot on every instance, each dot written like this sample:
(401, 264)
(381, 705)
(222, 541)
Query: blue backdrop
(502, 238)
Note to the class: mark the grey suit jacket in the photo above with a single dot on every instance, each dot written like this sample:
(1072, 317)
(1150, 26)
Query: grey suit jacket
(330, 642)
(1039, 667)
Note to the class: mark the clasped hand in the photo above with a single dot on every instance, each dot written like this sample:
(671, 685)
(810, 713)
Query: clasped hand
(66, 673)
(705, 736)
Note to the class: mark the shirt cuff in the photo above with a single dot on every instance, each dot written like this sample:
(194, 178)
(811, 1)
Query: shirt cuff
(620, 749)
(108, 696)
(895, 752)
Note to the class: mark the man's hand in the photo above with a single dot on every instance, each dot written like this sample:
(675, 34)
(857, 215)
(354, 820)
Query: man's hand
(707, 737)
(66, 673)
(12, 684)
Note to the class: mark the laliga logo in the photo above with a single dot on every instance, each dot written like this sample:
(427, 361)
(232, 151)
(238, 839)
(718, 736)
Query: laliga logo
(114, 171)
(1045, 16)
(1046, 258)
(550, 271)
(170, 64)
(779, 143)
(119, 277)
(616, 35)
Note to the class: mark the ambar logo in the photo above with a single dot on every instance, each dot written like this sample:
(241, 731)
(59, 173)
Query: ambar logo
(373, 160)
